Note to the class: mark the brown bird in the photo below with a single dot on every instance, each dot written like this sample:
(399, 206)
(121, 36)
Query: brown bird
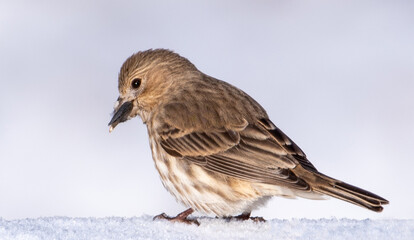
(213, 145)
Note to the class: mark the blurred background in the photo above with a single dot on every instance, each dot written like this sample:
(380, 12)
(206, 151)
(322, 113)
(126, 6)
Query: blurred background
(336, 76)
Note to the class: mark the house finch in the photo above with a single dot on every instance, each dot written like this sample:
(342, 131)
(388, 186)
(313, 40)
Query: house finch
(213, 145)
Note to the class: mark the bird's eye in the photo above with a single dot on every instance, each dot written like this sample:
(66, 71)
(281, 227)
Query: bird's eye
(136, 83)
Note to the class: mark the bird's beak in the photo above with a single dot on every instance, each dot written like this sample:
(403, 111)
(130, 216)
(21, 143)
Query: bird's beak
(120, 115)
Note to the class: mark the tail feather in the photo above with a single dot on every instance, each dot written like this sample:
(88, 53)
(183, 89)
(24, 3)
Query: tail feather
(326, 185)
(349, 193)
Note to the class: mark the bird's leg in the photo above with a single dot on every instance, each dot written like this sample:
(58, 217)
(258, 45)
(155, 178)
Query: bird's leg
(182, 217)
(246, 216)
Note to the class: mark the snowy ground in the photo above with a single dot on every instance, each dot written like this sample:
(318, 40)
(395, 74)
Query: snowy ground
(210, 228)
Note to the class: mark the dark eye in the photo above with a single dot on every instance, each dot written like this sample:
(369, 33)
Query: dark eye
(136, 83)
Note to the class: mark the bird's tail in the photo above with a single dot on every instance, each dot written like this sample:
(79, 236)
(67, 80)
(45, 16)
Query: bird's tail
(329, 186)
(349, 193)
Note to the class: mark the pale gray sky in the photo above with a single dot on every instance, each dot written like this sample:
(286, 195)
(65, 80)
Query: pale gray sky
(336, 76)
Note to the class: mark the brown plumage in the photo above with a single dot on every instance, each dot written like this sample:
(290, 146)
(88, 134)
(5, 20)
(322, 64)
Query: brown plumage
(214, 146)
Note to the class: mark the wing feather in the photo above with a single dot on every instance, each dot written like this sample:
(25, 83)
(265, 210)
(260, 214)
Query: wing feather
(287, 144)
(251, 153)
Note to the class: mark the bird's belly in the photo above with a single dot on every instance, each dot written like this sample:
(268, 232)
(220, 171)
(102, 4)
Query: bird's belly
(206, 191)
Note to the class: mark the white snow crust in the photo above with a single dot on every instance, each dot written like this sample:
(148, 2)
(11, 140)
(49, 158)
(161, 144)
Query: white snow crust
(145, 228)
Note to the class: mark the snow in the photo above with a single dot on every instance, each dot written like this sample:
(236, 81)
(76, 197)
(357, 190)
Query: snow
(145, 228)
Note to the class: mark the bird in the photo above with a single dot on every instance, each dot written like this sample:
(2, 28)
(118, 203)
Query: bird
(215, 148)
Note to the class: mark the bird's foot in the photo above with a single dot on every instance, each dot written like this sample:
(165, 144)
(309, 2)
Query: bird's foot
(182, 217)
(246, 216)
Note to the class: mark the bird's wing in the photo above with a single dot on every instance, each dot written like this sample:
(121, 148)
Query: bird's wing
(257, 152)
(288, 145)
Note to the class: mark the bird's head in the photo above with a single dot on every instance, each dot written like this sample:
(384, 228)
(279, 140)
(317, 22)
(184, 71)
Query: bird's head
(145, 79)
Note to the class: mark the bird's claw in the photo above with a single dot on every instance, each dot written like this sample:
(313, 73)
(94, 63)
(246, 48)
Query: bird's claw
(244, 217)
(182, 218)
